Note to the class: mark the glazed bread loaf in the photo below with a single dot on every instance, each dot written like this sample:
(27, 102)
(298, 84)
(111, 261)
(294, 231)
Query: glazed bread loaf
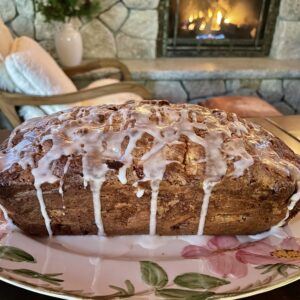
(146, 168)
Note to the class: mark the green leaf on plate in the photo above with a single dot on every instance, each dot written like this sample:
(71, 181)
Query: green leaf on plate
(122, 292)
(279, 267)
(263, 266)
(50, 278)
(283, 270)
(199, 281)
(153, 274)
(15, 254)
(130, 287)
(183, 294)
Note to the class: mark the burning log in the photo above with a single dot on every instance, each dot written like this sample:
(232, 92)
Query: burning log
(238, 32)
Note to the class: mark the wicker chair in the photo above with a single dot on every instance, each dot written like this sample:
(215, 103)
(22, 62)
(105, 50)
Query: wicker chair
(10, 101)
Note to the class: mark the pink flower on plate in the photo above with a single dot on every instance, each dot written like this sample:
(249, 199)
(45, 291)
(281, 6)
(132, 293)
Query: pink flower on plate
(219, 254)
(259, 253)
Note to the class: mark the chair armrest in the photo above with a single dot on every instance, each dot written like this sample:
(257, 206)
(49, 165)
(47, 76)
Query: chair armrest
(8, 101)
(98, 64)
(120, 87)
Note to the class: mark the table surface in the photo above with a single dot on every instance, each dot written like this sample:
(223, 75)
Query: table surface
(287, 128)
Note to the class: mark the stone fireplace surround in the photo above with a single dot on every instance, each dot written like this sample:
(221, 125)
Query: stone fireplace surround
(128, 29)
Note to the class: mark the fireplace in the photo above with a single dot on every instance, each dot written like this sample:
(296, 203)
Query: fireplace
(216, 27)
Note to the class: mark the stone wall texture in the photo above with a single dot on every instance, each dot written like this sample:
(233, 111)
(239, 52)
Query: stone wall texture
(286, 41)
(129, 28)
(124, 29)
(19, 16)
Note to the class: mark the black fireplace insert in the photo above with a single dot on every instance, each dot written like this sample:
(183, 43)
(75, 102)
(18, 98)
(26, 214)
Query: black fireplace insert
(216, 27)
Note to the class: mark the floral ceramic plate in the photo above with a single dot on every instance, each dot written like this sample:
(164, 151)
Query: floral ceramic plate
(150, 267)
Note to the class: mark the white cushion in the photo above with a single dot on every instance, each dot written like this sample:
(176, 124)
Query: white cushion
(6, 40)
(118, 98)
(28, 112)
(35, 72)
(6, 82)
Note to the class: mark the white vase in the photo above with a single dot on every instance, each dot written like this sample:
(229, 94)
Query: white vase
(68, 43)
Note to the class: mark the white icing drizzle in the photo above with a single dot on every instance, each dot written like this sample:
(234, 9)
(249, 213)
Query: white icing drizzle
(216, 167)
(295, 198)
(140, 192)
(239, 126)
(8, 220)
(293, 201)
(127, 157)
(96, 190)
(154, 169)
(61, 182)
(207, 188)
(39, 194)
(235, 148)
(97, 135)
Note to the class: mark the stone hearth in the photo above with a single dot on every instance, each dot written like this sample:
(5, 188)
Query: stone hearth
(194, 80)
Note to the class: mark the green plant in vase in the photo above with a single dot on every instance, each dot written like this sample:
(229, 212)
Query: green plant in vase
(68, 41)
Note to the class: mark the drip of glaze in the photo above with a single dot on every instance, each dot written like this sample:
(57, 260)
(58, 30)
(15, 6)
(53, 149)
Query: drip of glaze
(96, 181)
(39, 194)
(207, 188)
(238, 126)
(96, 191)
(235, 148)
(154, 169)
(215, 169)
(293, 201)
(295, 198)
(153, 206)
(61, 182)
(140, 192)
(8, 220)
(127, 157)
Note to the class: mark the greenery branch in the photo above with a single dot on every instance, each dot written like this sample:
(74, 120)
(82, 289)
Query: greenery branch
(62, 11)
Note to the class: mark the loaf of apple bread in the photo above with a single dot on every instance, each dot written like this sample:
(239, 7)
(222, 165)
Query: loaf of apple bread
(146, 168)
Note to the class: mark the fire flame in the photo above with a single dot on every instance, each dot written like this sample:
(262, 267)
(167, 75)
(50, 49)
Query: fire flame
(216, 16)
(219, 17)
(191, 26)
(212, 20)
(200, 14)
(202, 26)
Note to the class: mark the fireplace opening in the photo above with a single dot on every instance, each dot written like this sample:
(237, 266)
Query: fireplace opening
(217, 27)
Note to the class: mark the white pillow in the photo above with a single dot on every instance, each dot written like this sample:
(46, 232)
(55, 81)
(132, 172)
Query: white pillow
(28, 112)
(35, 72)
(109, 99)
(6, 40)
(6, 82)
(118, 98)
